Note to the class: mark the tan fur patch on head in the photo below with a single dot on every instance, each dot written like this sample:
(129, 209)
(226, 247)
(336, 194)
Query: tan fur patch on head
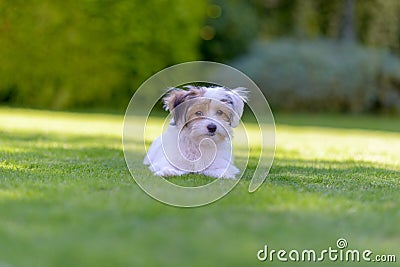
(197, 109)
(208, 108)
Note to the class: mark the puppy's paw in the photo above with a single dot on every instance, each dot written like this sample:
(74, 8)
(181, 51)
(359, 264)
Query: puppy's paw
(231, 173)
(168, 171)
(228, 175)
(220, 173)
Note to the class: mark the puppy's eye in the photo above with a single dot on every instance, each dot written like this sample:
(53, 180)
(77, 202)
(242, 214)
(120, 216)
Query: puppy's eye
(219, 112)
(198, 113)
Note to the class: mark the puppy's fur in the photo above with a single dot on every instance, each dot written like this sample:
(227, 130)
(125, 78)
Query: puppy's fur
(198, 139)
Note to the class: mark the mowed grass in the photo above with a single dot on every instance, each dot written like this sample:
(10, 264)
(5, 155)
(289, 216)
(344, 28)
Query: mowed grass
(67, 198)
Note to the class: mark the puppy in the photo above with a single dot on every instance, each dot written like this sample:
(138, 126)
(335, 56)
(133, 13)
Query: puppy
(198, 139)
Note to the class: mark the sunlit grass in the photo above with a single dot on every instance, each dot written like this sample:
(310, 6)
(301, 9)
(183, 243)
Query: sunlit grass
(67, 199)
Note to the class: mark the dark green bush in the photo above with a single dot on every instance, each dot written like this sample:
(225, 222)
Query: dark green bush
(231, 26)
(324, 75)
(61, 54)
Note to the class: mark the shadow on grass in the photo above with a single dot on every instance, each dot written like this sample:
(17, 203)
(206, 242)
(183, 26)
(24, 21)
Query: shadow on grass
(354, 180)
(44, 159)
(99, 163)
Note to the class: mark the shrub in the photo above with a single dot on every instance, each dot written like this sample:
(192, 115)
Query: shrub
(62, 54)
(323, 75)
(229, 29)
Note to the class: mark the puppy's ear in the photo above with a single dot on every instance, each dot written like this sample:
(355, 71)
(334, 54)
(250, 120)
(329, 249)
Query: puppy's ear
(175, 98)
(239, 96)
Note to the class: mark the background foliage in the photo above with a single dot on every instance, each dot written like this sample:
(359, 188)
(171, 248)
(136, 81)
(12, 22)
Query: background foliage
(230, 28)
(92, 53)
(324, 75)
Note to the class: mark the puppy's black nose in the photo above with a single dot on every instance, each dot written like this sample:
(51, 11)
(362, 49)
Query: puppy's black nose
(212, 127)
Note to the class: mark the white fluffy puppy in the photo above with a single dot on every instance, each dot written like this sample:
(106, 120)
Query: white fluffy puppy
(198, 139)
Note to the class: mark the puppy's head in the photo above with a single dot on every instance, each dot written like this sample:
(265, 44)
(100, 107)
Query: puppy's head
(206, 111)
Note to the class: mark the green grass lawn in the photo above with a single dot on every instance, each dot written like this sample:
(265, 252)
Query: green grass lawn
(67, 198)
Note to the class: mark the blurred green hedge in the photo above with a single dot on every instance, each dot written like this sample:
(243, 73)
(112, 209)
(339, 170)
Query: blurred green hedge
(231, 26)
(324, 75)
(62, 54)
